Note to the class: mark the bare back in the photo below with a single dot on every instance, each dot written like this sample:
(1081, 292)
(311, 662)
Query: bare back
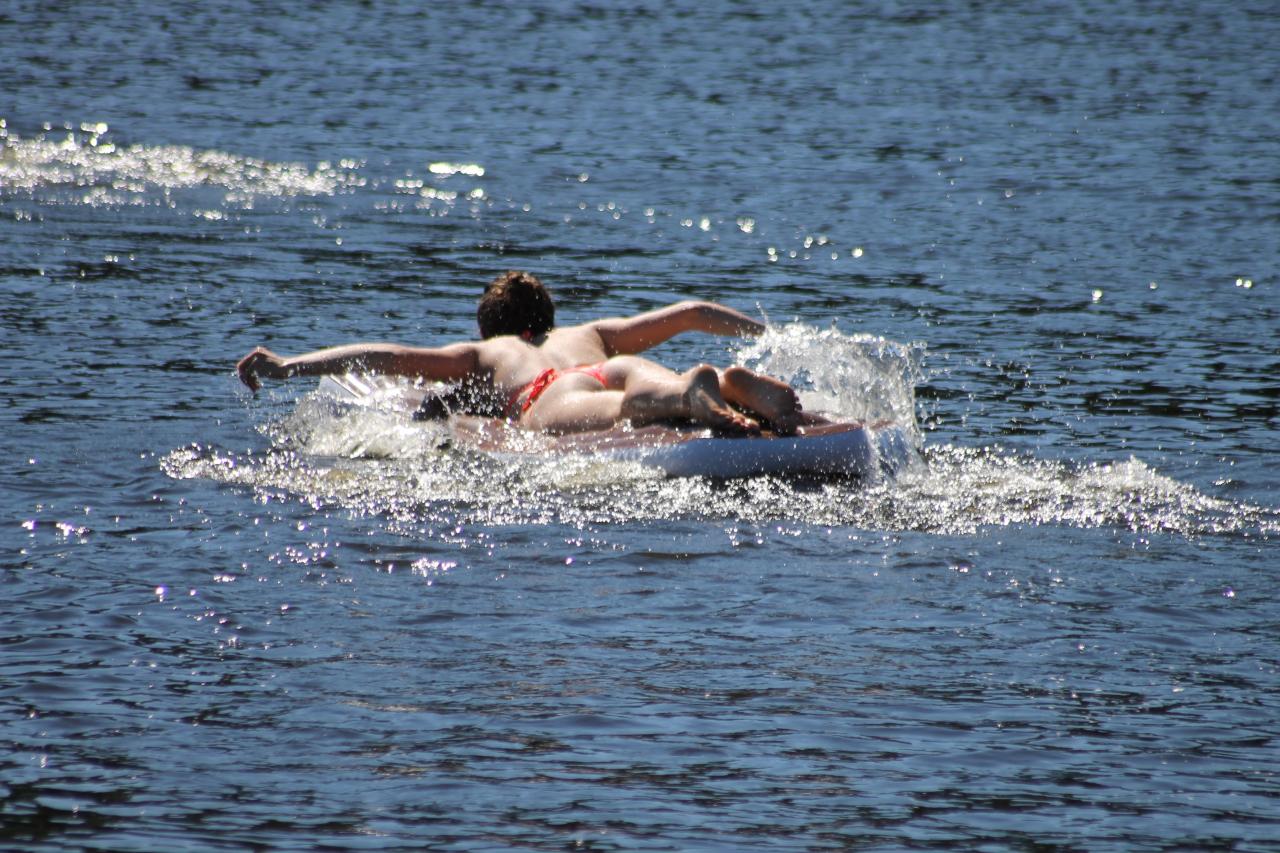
(510, 362)
(507, 363)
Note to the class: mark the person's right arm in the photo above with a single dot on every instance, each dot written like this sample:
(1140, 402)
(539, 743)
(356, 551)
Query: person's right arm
(628, 335)
(444, 364)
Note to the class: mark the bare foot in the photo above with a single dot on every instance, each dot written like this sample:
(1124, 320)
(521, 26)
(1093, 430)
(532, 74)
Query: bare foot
(707, 406)
(772, 399)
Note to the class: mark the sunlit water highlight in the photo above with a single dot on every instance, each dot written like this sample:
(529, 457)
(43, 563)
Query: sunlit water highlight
(94, 171)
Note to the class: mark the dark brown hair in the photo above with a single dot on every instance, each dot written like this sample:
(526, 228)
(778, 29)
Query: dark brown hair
(514, 303)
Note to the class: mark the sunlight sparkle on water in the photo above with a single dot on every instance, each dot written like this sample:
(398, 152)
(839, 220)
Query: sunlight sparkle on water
(106, 174)
(473, 170)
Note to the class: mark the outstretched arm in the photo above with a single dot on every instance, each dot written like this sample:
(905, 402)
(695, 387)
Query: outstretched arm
(626, 335)
(446, 364)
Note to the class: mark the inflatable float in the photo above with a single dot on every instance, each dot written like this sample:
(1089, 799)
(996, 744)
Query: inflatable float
(840, 448)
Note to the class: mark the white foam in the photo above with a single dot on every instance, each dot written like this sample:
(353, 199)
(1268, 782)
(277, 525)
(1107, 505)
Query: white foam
(857, 377)
(381, 462)
(99, 171)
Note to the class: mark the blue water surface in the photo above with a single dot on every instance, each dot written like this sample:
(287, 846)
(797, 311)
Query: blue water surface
(1049, 230)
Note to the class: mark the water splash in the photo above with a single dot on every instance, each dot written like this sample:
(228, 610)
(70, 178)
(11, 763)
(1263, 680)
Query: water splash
(962, 490)
(320, 426)
(379, 462)
(959, 491)
(858, 377)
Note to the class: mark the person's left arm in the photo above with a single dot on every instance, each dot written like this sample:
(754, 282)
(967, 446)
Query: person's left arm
(445, 364)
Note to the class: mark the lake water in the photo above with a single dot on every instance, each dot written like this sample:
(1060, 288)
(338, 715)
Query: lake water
(1045, 234)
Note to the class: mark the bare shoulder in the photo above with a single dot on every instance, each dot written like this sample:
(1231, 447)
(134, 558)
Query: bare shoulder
(509, 361)
(575, 345)
(494, 351)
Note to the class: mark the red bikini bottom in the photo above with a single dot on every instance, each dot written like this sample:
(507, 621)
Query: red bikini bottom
(525, 397)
